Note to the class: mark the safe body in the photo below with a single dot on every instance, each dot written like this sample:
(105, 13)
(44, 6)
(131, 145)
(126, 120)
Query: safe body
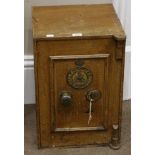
(79, 65)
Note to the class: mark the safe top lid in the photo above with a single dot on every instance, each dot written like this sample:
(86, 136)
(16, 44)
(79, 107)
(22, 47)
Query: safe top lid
(76, 21)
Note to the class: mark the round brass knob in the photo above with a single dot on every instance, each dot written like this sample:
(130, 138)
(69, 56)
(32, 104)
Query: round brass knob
(66, 98)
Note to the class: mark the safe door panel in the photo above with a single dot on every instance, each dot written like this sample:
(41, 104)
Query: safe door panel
(79, 88)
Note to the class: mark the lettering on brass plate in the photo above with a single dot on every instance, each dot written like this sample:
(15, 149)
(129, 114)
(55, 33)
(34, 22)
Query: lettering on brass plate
(79, 77)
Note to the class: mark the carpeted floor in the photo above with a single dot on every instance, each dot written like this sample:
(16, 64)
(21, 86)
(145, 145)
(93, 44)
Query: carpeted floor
(31, 140)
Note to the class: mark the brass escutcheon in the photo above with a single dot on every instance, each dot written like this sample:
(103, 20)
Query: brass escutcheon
(93, 95)
(79, 78)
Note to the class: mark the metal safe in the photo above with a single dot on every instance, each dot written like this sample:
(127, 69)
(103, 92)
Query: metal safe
(79, 65)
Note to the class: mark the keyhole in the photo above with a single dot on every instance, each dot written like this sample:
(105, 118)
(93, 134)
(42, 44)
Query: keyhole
(93, 95)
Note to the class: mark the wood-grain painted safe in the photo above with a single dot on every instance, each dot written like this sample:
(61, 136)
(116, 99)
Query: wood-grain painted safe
(79, 65)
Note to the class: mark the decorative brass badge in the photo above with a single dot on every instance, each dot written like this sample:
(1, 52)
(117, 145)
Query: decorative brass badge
(79, 77)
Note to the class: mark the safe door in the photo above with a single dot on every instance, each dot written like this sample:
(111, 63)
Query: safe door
(79, 92)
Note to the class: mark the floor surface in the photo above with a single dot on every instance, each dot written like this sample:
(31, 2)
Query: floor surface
(31, 139)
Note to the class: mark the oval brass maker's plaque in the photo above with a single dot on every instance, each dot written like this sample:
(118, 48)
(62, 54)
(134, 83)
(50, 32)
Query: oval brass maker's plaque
(79, 77)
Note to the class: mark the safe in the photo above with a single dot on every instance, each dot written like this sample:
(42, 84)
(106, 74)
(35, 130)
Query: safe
(79, 66)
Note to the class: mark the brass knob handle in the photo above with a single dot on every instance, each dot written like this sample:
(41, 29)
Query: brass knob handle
(66, 98)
